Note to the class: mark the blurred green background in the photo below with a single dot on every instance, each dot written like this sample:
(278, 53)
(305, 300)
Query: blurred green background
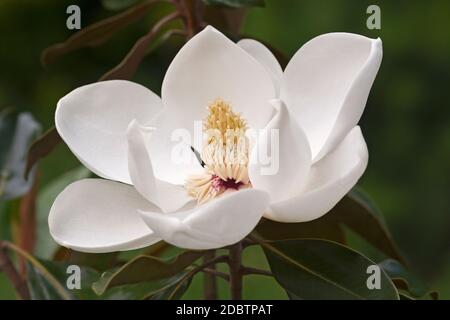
(406, 123)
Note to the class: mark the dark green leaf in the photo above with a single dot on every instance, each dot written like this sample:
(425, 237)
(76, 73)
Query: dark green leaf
(97, 261)
(357, 212)
(43, 284)
(235, 3)
(43, 289)
(173, 288)
(321, 228)
(319, 269)
(17, 131)
(40, 288)
(146, 268)
(405, 280)
(96, 33)
(59, 271)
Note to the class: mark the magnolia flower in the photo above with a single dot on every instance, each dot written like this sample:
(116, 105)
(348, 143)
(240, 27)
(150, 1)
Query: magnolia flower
(124, 133)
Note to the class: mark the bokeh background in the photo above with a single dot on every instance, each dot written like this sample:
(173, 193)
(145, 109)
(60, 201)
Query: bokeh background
(406, 122)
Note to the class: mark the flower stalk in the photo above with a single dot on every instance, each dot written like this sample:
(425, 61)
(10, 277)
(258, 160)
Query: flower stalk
(236, 274)
(210, 283)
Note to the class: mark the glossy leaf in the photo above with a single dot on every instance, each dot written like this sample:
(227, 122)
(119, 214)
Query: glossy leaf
(406, 281)
(42, 289)
(39, 287)
(96, 33)
(321, 228)
(319, 269)
(235, 3)
(146, 268)
(17, 133)
(357, 212)
(173, 288)
(42, 283)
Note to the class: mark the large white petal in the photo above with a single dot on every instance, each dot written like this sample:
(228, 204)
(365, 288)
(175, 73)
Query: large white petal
(261, 53)
(93, 121)
(96, 215)
(329, 181)
(211, 66)
(218, 223)
(167, 196)
(170, 147)
(281, 159)
(326, 85)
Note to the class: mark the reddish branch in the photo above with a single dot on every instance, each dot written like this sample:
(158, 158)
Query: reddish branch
(129, 65)
(13, 275)
(27, 212)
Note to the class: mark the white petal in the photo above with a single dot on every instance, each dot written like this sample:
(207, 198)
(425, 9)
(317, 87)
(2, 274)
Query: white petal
(218, 223)
(93, 120)
(170, 147)
(281, 160)
(326, 85)
(329, 181)
(95, 215)
(168, 197)
(261, 53)
(211, 66)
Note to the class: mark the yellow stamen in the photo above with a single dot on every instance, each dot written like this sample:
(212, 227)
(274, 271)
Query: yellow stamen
(225, 154)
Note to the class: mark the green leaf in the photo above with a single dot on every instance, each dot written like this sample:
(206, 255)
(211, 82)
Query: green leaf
(97, 261)
(173, 288)
(235, 3)
(146, 268)
(40, 288)
(406, 281)
(97, 33)
(17, 131)
(319, 269)
(321, 228)
(46, 245)
(41, 282)
(116, 5)
(43, 289)
(357, 212)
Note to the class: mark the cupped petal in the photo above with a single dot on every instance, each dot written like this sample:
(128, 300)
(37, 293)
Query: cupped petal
(168, 197)
(93, 121)
(170, 147)
(329, 181)
(326, 85)
(281, 159)
(96, 215)
(211, 66)
(218, 223)
(261, 53)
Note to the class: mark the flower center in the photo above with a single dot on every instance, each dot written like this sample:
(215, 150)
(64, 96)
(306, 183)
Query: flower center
(225, 154)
